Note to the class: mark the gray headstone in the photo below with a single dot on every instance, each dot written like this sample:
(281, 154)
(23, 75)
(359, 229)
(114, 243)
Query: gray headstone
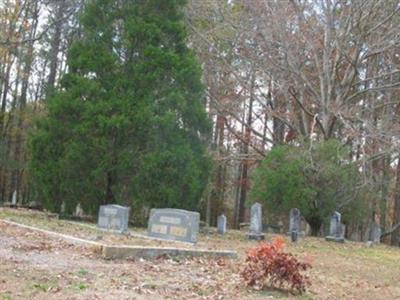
(336, 228)
(294, 224)
(335, 224)
(342, 231)
(221, 224)
(255, 231)
(375, 233)
(14, 198)
(79, 211)
(294, 221)
(174, 224)
(114, 217)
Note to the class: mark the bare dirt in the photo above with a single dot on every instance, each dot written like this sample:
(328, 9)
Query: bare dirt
(36, 266)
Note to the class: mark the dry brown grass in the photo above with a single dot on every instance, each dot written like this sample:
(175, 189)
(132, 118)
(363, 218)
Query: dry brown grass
(34, 266)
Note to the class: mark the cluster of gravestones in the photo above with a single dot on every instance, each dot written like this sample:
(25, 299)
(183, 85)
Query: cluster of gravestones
(166, 223)
(182, 225)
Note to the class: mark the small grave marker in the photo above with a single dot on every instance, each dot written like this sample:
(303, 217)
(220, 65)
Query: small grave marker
(294, 224)
(14, 199)
(375, 234)
(221, 224)
(336, 229)
(255, 232)
(114, 217)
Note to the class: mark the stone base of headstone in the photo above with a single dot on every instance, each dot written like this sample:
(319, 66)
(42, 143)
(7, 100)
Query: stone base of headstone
(301, 234)
(369, 244)
(334, 239)
(244, 226)
(256, 236)
(272, 228)
(10, 205)
(294, 236)
(207, 230)
(35, 205)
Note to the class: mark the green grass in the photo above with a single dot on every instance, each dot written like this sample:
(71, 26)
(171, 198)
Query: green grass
(45, 286)
(82, 272)
(79, 286)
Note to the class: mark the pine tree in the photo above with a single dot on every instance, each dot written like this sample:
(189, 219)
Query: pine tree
(127, 124)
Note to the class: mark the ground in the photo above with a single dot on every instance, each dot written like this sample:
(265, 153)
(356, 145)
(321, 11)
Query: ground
(36, 266)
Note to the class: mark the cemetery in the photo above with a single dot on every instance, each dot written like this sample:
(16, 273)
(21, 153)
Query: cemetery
(199, 149)
(345, 265)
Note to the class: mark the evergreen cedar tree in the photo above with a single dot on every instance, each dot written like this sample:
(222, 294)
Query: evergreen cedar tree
(127, 124)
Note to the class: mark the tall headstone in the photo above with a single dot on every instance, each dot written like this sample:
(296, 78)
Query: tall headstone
(14, 199)
(375, 234)
(336, 228)
(255, 232)
(294, 224)
(221, 224)
(174, 224)
(114, 217)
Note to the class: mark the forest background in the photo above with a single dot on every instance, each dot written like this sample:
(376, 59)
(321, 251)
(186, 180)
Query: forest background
(302, 98)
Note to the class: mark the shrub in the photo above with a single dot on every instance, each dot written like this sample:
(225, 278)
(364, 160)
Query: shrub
(317, 180)
(267, 264)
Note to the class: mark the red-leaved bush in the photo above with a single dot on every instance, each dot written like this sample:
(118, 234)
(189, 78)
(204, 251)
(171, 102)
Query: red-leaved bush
(268, 265)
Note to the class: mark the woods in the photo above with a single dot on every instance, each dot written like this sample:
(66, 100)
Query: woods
(101, 102)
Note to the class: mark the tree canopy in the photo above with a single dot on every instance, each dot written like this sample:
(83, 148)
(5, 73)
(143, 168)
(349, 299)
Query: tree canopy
(127, 124)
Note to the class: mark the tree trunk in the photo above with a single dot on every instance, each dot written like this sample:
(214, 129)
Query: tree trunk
(109, 199)
(245, 164)
(315, 225)
(19, 143)
(55, 47)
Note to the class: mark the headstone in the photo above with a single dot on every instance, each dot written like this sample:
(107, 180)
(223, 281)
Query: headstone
(35, 205)
(79, 211)
(14, 199)
(375, 234)
(174, 224)
(113, 217)
(255, 232)
(294, 221)
(336, 228)
(221, 224)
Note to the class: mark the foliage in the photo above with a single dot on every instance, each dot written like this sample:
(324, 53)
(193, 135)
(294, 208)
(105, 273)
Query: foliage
(267, 264)
(316, 179)
(127, 124)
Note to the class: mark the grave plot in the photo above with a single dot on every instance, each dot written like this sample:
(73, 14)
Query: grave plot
(36, 266)
(133, 243)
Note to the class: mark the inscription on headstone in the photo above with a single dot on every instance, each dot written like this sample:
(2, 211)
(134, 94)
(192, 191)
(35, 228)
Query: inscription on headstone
(336, 228)
(174, 224)
(221, 224)
(114, 217)
(255, 232)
